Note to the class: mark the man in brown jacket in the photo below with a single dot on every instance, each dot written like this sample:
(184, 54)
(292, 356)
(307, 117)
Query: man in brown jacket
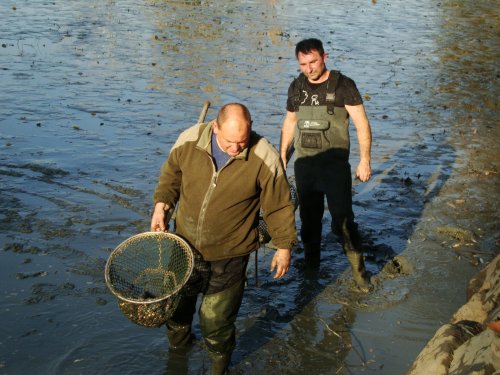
(220, 174)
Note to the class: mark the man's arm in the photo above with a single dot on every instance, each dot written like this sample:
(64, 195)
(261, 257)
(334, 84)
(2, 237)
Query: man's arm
(166, 193)
(363, 130)
(278, 210)
(287, 134)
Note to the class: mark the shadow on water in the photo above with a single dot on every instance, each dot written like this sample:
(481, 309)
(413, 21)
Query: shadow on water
(312, 330)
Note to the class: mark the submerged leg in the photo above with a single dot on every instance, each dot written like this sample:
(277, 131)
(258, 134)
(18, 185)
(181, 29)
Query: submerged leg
(218, 313)
(179, 325)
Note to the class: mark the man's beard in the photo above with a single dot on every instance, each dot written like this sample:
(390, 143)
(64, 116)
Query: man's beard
(316, 77)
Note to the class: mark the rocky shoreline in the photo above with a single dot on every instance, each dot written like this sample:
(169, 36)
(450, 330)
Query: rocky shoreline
(470, 342)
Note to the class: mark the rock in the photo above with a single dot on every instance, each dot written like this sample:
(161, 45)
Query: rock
(480, 355)
(486, 298)
(470, 343)
(437, 355)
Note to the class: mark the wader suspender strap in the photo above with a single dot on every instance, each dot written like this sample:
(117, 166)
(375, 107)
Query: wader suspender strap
(296, 95)
(330, 96)
(330, 101)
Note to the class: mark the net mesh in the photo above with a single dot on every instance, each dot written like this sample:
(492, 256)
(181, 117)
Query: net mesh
(145, 272)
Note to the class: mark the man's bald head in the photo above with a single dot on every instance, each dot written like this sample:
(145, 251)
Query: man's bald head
(233, 110)
(232, 128)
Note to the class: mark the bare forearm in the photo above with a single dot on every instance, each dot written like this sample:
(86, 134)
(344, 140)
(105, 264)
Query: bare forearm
(363, 131)
(287, 134)
(365, 142)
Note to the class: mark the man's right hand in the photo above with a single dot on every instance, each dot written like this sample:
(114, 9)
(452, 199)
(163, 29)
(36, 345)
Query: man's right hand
(158, 218)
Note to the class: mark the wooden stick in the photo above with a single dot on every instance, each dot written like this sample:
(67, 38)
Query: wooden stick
(204, 111)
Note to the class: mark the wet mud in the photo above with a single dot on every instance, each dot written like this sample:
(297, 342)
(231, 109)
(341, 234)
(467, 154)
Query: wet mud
(94, 95)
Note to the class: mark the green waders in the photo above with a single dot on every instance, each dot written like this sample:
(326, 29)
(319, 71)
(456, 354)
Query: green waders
(179, 325)
(218, 313)
(355, 257)
(312, 254)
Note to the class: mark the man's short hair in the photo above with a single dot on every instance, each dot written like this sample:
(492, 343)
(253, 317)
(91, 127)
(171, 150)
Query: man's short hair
(306, 46)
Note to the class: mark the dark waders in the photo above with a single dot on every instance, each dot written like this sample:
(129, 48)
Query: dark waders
(222, 287)
(318, 177)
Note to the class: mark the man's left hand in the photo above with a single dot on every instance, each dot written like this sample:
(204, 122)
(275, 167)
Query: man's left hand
(281, 262)
(364, 171)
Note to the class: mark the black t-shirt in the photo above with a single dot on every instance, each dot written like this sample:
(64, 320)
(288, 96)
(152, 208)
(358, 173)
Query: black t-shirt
(346, 93)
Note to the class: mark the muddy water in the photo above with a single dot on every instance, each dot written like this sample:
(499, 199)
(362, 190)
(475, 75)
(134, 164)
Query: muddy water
(94, 93)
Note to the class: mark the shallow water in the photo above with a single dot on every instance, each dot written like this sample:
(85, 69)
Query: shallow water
(94, 93)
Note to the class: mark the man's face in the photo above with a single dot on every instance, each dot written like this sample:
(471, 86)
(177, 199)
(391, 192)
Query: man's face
(313, 65)
(233, 135)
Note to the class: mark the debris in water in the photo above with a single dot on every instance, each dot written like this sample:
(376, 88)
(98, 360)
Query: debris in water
(460, 234)
(21, 275)
(101, 301)
(408, 181)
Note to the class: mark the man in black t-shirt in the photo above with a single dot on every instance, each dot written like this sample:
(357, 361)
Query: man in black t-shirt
(320, 103)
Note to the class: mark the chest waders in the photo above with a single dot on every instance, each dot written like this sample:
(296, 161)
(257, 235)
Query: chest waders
(219, 307)
(321, 128)
(321, 141)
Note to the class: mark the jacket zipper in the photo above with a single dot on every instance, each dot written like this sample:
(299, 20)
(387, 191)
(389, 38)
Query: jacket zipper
(208, 196)
(203, 210)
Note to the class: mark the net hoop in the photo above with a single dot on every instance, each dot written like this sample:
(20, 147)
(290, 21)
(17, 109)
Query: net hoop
(122, 248)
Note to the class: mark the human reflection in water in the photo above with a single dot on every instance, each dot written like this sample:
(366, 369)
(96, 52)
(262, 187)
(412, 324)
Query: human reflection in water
(321, 344)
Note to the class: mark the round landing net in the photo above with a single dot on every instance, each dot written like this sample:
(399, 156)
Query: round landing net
(146, 272)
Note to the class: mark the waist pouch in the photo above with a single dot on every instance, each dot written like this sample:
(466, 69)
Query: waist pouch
(313, 124)
(313, 133)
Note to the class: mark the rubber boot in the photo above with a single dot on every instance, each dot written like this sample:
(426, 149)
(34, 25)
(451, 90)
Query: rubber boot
(359, 273)
(312, 254)
(355, 257)
(220, 363)
(218, 313)
(179, 336)
(177, 361)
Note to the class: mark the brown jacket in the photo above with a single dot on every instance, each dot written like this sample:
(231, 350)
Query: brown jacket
(218, 212)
